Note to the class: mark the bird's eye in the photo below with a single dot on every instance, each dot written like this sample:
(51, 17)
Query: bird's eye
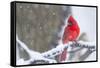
(70, 24)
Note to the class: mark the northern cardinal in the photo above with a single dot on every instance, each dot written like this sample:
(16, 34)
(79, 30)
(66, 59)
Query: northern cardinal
(71, 32)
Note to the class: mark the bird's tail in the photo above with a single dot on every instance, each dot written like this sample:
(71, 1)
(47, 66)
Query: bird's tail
(63, 55)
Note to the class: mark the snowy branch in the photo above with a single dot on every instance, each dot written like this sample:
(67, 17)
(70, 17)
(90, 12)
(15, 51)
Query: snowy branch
(48, 56)
(58, 50)
(32, 54)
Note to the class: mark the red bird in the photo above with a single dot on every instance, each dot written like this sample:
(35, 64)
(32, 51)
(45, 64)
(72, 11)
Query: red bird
(71, 32)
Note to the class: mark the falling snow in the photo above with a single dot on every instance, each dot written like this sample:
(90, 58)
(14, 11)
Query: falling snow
(20, 7)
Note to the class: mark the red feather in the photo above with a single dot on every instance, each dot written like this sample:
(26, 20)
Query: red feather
(71, 32)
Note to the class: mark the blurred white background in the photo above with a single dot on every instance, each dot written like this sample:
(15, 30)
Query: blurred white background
(86, 18)
(5, 33)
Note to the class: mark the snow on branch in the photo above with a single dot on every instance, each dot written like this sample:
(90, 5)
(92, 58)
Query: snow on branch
(89, 45)
(32, 54)
(58, 50)
(48, 56)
